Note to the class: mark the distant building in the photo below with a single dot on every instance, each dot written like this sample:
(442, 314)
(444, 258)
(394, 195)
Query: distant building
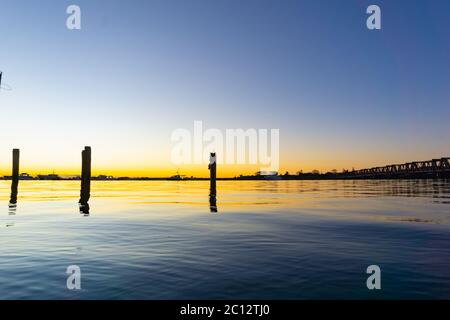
(177, 177)
(266, 173)
(103, 177)
(48, 177)
(22, 176)
(25, 176)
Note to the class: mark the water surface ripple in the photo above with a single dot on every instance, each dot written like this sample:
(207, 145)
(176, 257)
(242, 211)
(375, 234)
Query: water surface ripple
(269, 239)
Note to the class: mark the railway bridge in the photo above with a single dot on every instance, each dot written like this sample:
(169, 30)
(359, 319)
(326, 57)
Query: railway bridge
(435, 168)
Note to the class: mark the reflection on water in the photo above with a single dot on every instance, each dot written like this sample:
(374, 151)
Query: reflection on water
(212, 196)
(12, 206)
(213, 203)
(272, 239)
(84, 209)
(236, 192)
(12, 209)
(14, 191)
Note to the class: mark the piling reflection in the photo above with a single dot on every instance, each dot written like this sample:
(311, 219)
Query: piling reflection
(85, 192)
(212, 167)
(84, 209)
(12, 208)
(212, 197)
(84, 201)
(14, 191)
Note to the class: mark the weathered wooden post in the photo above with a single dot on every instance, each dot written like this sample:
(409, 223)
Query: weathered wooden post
(213, 177)
(15, 168)
(85, 176)
(212, 167)
(15, 176)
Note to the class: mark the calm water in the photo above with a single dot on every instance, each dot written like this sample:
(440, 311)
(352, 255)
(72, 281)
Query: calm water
(272, 239)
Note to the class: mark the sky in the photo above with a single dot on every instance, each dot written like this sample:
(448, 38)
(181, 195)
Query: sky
(341, 95)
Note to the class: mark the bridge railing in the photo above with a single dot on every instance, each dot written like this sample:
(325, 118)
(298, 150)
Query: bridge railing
(430, 166)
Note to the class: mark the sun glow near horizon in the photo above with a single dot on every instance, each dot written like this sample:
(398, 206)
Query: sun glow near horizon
(144, 167)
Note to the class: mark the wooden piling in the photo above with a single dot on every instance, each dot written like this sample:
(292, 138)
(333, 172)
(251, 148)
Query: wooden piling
(213, 178)
(15, 165)
(15, 176)
(212, 167)
(85, 175)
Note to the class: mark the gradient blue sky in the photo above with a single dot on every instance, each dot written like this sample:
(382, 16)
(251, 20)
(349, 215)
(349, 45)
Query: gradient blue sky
(341, 95)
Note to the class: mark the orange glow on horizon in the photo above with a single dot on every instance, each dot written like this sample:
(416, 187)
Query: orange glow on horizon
(119, 167)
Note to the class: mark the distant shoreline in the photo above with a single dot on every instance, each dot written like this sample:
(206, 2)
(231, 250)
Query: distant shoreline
(278, 178)
(430, 169)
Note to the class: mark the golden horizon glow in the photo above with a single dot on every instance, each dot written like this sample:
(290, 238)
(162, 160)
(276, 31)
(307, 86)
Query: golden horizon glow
(199, 171)
(120, 160)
